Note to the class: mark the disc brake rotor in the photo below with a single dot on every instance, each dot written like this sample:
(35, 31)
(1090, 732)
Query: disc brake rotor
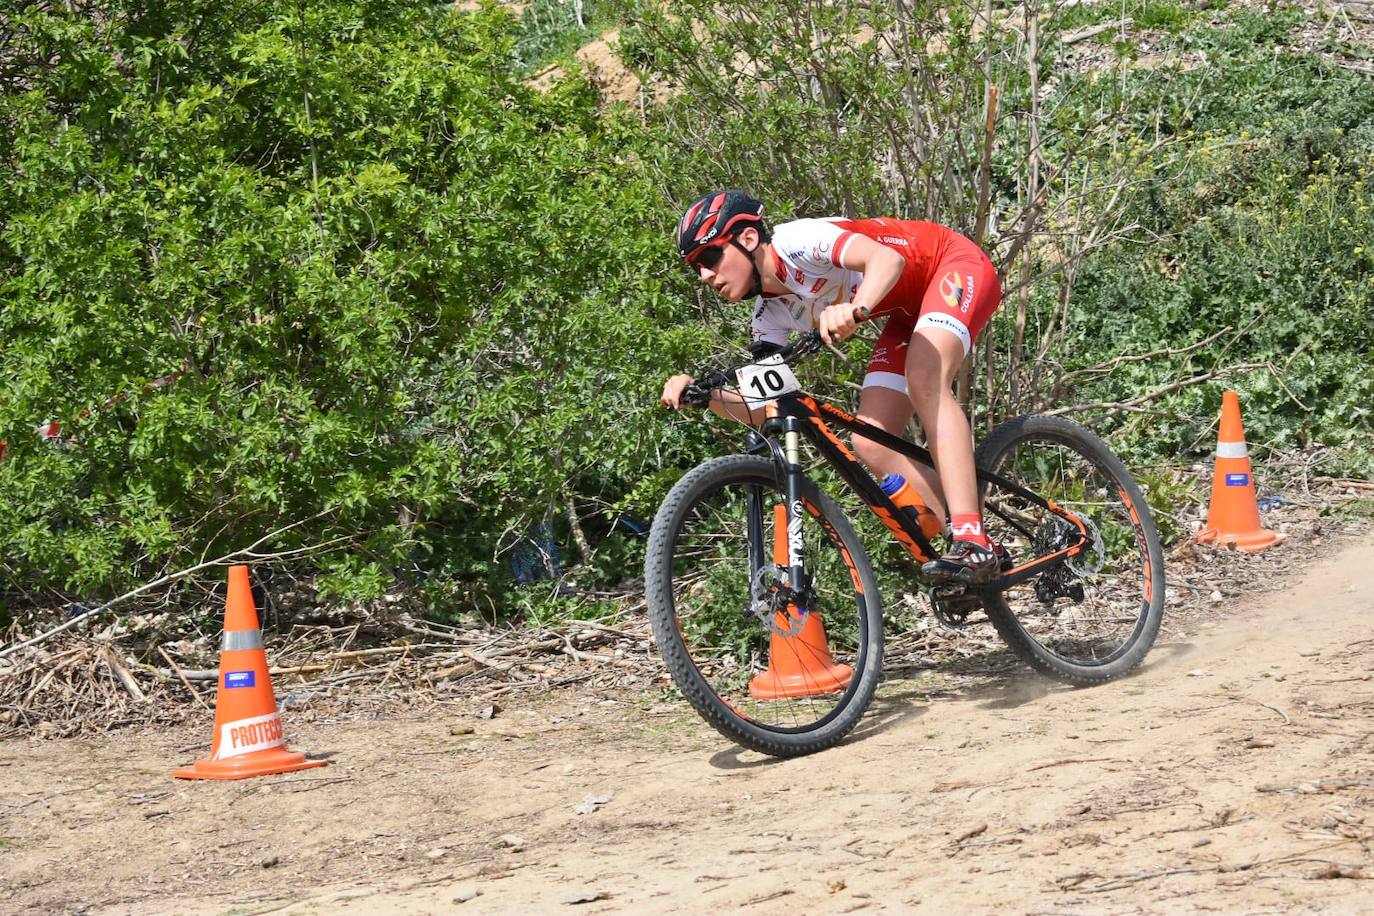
(773, 596)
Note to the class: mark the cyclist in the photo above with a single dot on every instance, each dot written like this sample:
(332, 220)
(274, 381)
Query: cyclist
(936, 288)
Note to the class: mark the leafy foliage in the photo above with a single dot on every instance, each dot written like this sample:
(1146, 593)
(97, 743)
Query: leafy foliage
(1263, 232)
(408, 301)
(1218, 186)
(337, 266)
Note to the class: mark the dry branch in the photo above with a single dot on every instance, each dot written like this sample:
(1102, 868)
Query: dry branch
(225, 560)
(1110, 365)
(1152, 874)
(1071, 760)
(1093, 31)
(182, 677)
(1347, 482)
(116, 667)
(1157, 393)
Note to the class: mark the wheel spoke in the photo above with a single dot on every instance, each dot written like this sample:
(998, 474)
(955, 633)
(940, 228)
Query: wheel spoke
(1094, 609)
(760, 658)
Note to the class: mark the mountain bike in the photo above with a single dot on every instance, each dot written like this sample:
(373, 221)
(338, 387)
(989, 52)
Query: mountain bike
(764, 603)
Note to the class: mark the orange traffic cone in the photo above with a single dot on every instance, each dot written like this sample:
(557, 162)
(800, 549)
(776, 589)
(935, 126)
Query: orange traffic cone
(248, 738)
(799, 665)
(1233, 517)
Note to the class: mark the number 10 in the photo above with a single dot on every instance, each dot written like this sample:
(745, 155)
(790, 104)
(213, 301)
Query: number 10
(773, 379)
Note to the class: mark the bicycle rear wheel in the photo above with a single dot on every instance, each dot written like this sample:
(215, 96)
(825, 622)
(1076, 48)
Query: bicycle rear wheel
(779, 677)
(1090, 618)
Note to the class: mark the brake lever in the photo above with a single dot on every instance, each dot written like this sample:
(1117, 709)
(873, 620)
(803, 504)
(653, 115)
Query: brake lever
(695, 395)
(812, 343)
(804, 346)
(698, 393)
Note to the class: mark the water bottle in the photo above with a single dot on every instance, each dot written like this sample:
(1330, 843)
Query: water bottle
(910, 504)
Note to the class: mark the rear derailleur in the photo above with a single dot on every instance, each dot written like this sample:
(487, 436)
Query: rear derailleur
(1060, 580)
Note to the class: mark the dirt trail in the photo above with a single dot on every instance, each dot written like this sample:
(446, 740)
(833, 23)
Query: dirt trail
(1234, 772)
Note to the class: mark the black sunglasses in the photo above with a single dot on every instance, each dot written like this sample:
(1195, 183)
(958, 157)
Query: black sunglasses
(708, 258)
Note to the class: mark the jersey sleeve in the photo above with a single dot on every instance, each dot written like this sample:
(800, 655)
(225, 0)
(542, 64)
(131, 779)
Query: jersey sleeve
(815, 245)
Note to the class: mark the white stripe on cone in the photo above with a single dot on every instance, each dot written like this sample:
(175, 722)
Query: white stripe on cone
(245, 736)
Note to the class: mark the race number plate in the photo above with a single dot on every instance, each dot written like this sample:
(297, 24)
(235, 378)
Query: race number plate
(766, 380)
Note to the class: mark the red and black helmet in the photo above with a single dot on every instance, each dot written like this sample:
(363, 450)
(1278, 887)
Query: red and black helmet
(715, 218)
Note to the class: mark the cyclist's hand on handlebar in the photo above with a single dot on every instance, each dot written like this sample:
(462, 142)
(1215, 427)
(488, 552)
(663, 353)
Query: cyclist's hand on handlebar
(672, 391)
(840, 321)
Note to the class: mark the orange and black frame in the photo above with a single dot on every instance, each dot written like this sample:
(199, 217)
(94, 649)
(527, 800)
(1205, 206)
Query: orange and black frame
(797, 415)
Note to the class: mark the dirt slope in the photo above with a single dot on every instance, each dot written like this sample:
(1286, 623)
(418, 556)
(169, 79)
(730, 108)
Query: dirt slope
(1235, 772)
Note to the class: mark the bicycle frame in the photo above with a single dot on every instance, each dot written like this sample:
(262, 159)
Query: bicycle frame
(797, 415)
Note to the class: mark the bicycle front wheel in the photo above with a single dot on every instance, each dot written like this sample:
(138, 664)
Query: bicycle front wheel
(779, 673)
(1092, 617)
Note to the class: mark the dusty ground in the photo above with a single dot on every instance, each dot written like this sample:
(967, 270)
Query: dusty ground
(1235, 772)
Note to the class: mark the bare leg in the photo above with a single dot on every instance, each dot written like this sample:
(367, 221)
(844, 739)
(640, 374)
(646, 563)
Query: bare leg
(932, 361)
(890, 410)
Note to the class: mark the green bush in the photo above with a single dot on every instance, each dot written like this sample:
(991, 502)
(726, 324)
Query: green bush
(1264, 231)
(410, 301)
(413, 306)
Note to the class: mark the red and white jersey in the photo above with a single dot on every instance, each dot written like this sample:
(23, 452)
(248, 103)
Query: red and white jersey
(807, 260)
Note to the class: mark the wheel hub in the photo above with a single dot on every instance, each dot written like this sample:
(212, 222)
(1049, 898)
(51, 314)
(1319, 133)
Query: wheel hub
(775, 600)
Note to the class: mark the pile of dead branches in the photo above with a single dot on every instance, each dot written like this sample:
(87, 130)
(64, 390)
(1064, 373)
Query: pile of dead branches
(74, 684)
(79, 685)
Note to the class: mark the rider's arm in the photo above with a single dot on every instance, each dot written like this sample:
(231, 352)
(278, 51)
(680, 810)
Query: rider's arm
(727, 404)
(881, 266)
(731, 406)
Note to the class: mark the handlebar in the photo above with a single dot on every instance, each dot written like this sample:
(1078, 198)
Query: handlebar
(698, 393)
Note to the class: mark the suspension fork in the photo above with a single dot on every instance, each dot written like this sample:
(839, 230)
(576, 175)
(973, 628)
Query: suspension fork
(757, 548)
(796, 507)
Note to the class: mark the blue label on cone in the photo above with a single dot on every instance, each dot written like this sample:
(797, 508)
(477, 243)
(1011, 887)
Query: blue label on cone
(239, 678)
(1238, 480)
